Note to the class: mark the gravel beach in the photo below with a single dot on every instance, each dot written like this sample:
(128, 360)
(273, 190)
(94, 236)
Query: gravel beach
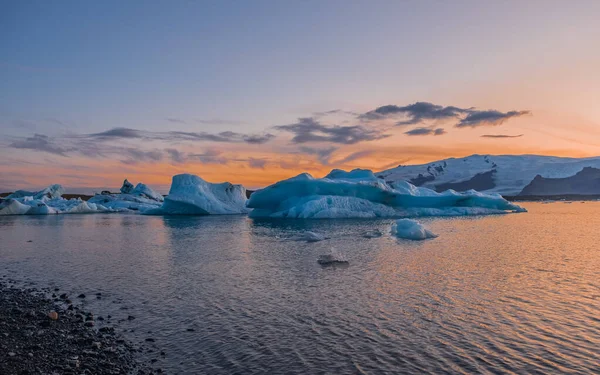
(41, 335)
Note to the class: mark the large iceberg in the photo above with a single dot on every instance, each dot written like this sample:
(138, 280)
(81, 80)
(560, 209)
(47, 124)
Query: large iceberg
(360, 194)
(138, 198)
(191, 195)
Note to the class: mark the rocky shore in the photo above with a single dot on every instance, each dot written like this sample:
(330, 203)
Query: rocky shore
(51, 335)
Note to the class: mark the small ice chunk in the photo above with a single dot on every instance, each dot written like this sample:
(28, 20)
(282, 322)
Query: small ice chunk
(309, 236)
(331, 259)
(376, 233)
(411, 230)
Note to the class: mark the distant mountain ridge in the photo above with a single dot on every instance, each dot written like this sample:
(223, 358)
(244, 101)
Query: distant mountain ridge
(503, 174)
(585, 182)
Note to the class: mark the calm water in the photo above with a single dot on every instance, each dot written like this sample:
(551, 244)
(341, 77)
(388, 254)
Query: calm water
(515, 293)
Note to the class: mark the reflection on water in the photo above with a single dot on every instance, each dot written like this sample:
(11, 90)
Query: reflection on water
(514, 293)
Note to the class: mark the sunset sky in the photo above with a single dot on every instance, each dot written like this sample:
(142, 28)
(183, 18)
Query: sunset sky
(253, 92)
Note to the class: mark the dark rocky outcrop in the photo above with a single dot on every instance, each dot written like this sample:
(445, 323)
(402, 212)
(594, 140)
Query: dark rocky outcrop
(585, 182)
(479, 182)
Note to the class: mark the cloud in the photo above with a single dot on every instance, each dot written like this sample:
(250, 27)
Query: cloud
(416, 113)
(218, 121)
(500, 136)
(40, 142)
(489, 117)
(335, 112)
(425, 131)
(136, 156)
(175, 120)
(176, 156)
(225, 136)
(210, 156)
(117, 133)
(257, 163)
(421, 112)
(310, 130)
(323, 154)
(355, 156)
(258, 139)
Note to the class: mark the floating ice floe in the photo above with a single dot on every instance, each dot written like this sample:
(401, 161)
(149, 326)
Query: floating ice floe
(309, 236)
(411, 230)
(191, 195)
(376, 233)
(139, 198)
(359, 194)
(332, 259)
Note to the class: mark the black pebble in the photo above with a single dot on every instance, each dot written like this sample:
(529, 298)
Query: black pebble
(81, 295)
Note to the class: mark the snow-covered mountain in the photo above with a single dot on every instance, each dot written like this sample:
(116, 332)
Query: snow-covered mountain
(504, 174)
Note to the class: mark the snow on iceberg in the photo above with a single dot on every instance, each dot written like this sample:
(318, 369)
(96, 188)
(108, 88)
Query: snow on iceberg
(138, 198)
(52, 191)
(191, 195)
(411, 230)
(359, 194)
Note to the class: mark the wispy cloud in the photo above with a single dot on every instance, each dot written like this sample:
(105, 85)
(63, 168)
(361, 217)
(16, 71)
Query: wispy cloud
(176, 120)
(117, 133)
(422, 112)
(257, 163)
(40, 142)
(308, 129)
(501, 136)
(225, 136)
(489, 117)
(355, 156)
(322, 154)
(425, 131)
(416, 113)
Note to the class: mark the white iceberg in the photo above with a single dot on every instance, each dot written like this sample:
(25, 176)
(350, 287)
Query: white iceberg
(359, 194)
(52, 191)
(411, 230)
(191, 195)
(46, 202)
(139, 198)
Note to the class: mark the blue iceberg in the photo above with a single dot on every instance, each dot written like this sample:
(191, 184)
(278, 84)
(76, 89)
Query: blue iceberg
(360, 194)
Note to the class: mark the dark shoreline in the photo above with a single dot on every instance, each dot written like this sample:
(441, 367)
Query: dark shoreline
(562, 197)
(41, 335)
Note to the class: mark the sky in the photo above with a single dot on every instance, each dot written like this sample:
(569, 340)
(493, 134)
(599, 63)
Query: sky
(254, 92)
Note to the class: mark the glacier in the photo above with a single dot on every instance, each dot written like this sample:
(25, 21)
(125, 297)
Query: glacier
(502, 174)
(191, 195)
(411, 230)
(360, 194)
